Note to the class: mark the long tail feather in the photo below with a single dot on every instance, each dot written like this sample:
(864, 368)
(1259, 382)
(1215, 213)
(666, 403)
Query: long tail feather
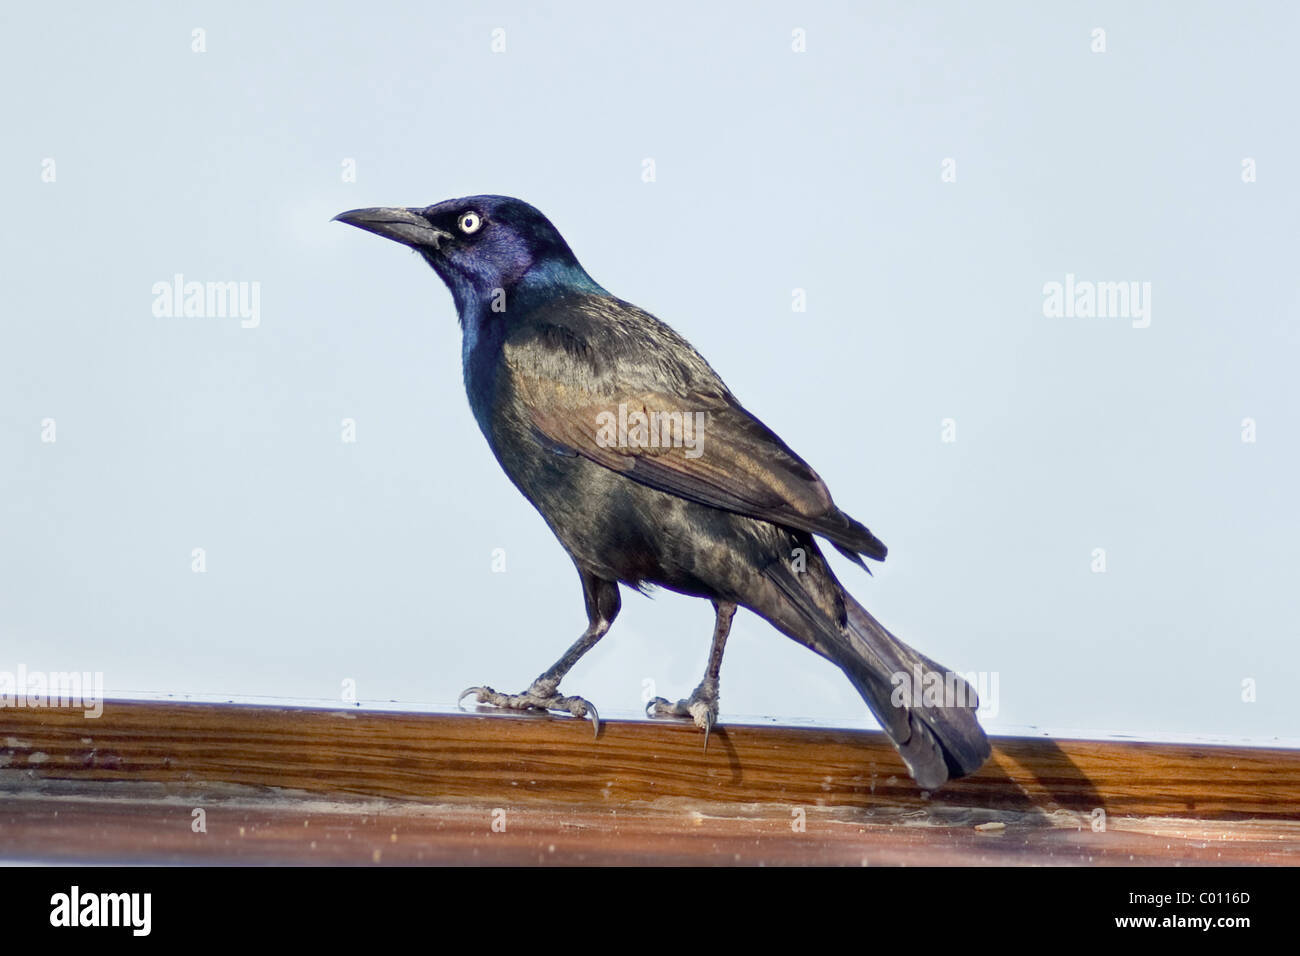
(927, 711)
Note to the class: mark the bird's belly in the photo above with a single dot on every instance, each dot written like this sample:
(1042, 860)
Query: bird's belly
(625, 531)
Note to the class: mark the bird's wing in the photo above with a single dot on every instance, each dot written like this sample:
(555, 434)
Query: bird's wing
(662, 417)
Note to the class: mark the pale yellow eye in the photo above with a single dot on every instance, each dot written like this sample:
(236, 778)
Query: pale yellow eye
(469, 222)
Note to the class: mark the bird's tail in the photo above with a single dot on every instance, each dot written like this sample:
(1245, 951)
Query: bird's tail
(926, 710)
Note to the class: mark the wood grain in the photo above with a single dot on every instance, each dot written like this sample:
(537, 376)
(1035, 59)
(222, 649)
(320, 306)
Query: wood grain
(443, 758)
(641, 788)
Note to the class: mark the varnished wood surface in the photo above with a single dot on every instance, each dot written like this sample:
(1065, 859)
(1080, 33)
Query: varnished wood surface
(101, 823)
(124, 786)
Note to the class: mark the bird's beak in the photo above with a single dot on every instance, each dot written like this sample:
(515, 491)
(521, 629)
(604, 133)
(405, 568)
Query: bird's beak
(406, 226)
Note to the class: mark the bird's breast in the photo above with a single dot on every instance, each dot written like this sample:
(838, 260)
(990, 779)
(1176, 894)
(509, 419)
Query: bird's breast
(481, 360)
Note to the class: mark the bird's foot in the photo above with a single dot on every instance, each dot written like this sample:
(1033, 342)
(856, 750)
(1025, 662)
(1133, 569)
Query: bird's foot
(541, 696)
(701, 706)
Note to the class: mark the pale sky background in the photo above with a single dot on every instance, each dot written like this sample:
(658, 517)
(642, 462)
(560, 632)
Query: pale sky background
(775, 170)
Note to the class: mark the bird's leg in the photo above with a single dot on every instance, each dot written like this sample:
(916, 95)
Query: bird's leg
(702, 705)
(603, 605)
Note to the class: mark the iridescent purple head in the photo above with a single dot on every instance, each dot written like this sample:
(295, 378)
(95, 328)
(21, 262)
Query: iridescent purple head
(481, 246)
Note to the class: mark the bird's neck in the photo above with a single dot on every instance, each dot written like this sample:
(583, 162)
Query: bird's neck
(487, 312)
(548, 280)
(487, 307)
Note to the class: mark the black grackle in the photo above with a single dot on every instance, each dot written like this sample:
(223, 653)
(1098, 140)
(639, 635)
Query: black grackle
(650, 472)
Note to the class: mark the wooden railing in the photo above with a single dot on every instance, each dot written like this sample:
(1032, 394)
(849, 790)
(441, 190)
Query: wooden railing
(183, 782)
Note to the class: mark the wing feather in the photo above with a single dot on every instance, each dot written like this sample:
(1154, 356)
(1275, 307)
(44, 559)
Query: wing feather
(691, 439)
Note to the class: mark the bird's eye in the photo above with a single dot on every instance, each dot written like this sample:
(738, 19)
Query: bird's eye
(469, 222)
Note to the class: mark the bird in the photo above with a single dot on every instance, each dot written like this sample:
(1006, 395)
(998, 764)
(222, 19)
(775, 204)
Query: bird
(651, 473)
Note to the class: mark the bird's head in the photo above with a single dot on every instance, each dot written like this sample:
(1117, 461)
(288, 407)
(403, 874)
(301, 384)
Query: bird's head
(480, 244)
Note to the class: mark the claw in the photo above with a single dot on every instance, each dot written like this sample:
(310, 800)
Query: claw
(708, 726)
(699, 708)
(532, 699)
(472, 690)
(580, 707)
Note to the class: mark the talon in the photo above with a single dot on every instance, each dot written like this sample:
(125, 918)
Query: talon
(482, 691)
(540, 697)
(580, 707)
(701, 707)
